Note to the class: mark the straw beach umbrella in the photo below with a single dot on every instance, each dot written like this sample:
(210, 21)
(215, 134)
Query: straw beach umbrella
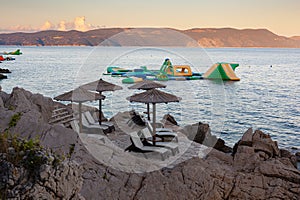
(79, 95)
(101, 86)
(147, 85)
(153, 96)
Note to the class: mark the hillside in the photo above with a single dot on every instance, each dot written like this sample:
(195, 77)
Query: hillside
(205, 37)
(295, 37)
(228, 37)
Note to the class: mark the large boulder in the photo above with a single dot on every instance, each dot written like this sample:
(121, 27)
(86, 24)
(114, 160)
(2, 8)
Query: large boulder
(201, 133)
(256, 147)
(169, 120)
(25, 115)
(48, 181)
(3, 76)
(23, 101)
(4, 70)
(4, 96)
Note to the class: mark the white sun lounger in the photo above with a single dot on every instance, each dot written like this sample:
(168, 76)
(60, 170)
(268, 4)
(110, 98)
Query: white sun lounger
(75, 127)
(169, 145)
(91, 120)
(136, 141)
(162, 134)
(94, 128)
(158, 129)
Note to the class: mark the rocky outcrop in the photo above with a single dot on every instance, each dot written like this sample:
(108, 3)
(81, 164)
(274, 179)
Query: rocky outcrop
(34, 105)
(3, 76)
(259, 146)
(25, 115)
(36, 173)
(169, 120)
(201, 134)
(4, 71)
(257, 168)
(298, 156)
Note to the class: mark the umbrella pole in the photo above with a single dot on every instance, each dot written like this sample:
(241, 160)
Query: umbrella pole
(100, 107)
(154, 125)
(148, 111)
(80, 117)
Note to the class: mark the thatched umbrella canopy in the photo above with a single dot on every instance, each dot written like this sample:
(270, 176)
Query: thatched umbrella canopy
(147, 85)
(153, 96)
(79, 95)
(101, 86)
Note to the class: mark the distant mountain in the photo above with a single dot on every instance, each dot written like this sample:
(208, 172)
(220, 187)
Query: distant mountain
(228, 37)
(295, 37)
(205, 37)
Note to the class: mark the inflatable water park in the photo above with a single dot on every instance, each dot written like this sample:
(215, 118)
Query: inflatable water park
(17, 52)
(221, 71)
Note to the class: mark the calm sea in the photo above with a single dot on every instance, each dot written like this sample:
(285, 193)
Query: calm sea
(266, 98)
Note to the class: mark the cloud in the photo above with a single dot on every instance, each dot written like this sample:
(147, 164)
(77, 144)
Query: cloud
(47, 26)
(79, 24)
(62, 26)
(18, 28)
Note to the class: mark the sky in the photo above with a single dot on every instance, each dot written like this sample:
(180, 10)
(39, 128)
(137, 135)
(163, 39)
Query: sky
(279, 16)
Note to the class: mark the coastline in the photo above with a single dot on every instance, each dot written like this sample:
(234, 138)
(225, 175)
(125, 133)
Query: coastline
(204, 47)
(256, 169)
(205, 37)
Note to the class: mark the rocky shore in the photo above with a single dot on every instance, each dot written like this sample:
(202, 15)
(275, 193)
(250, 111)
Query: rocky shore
(255, 168)
(2, 72)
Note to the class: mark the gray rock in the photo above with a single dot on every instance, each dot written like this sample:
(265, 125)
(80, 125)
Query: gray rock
(263, 142)
(286, 154)
(4, 96)
(2, 76)
(247, 137)
(1, 103)
(201, 134)
(169, 120)
(297, 156)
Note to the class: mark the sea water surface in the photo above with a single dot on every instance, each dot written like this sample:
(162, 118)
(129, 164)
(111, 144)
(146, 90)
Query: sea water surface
(266, 98)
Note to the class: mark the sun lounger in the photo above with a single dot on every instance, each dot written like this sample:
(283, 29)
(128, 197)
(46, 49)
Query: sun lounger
(94, 128)
(159, 128)
(92, 121)
(145, 133)
(75, 127)
(139, 146)
(162, 134)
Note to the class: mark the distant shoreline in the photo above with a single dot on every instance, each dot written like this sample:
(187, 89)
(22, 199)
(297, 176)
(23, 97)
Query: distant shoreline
(20, 46)
(205, 37)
